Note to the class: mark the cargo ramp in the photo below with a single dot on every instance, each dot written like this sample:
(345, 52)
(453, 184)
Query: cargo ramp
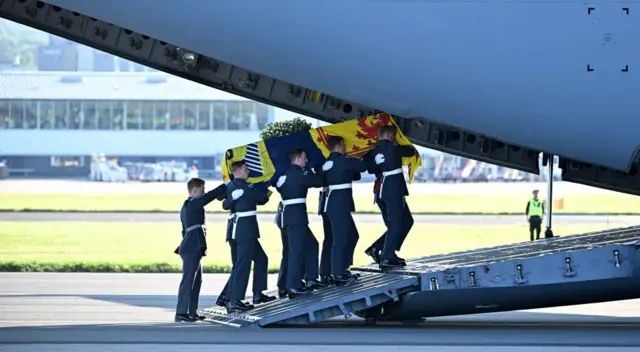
(528, 275)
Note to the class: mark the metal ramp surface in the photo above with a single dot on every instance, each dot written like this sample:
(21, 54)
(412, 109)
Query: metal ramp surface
(580, 269)
(371, 289)
(517, 251)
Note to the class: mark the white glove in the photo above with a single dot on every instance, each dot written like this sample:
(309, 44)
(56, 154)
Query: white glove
(237, 194)
(379, 158)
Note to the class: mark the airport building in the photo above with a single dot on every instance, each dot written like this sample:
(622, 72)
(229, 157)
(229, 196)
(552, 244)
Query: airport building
(52, 122)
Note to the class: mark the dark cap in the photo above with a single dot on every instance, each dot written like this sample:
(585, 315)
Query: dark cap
(535, 191)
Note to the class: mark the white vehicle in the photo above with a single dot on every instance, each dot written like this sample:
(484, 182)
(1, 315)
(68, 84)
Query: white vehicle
(151, 173)
(108, 172)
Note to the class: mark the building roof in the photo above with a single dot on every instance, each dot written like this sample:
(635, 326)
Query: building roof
(40, 85)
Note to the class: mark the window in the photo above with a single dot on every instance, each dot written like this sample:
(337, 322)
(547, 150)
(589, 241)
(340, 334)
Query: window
(12, 114)
(90, 120)
(204, 116)
(133, 115)
(176, 118)
(60, 115)
(117, 112)
(162, 116)
(5, 111)
(190, 115)
(75, 115)
(17, 114)
(31, 114)
(233, 115)
(241, 115)
(220, 116)
(67, 161)
(46, 115)
(147, 114)
(104, 115)
(262, 114)
(248, 119)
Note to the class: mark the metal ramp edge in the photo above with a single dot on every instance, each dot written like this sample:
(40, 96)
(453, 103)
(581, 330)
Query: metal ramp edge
(523, 250)
(370, 290)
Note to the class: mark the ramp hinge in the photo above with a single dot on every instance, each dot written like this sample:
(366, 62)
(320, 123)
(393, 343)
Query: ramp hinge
(392, 294)
(472, 279)
(344, 311)
(367, 301)
(433, 284)
(568, 268)
(616, 258)
(312, 317)
(520, 279)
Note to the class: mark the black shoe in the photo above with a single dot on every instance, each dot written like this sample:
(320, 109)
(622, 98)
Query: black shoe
(387, 264)
(315, 285)
(248, 305)
(282, 293)
(262, 298)
(401, 260)
(297, 292)
(197, 316)
(183, 318)
(345, 279)
(374, 253)
(221, 301)
(349, 273)
(327, 280)
(237, 306)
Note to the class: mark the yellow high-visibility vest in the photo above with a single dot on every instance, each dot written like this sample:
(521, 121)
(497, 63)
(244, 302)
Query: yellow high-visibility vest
(535, 207)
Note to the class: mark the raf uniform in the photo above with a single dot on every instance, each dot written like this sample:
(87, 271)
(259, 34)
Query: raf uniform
(339, 172)
(293, 187)
(407, 219)
(244, 200)
(284, 261)
(388, 156)
(192, 248)
(535, 212)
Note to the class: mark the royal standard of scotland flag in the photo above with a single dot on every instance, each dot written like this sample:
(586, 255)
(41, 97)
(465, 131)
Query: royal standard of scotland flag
(269, 159)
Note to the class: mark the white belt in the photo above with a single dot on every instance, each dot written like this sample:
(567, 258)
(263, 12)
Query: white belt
(290, 202)
(293, 201)
(241, 214)
(232, 215)
(335, 188)
(191, 228)
(384, 176)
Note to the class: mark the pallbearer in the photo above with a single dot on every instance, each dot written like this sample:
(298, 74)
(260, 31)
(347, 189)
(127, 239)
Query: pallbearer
(375, 249)
(293, 187)
(339, 171)
(227, 204)
(245, 199)
(193, 247)
(388, 155)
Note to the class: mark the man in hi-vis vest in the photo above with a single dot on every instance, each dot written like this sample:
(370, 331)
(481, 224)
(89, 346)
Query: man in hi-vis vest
(535, 214)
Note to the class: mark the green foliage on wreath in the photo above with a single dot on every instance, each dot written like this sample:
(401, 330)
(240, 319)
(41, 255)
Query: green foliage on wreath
(283, 128)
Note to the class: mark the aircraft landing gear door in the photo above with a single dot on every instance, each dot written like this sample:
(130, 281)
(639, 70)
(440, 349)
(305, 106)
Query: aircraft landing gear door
(547, 160)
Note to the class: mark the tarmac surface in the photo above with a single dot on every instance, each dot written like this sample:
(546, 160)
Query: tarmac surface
(133, 312)
(479, 220)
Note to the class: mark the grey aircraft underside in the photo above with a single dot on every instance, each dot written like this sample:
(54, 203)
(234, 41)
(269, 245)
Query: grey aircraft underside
(543, 76)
